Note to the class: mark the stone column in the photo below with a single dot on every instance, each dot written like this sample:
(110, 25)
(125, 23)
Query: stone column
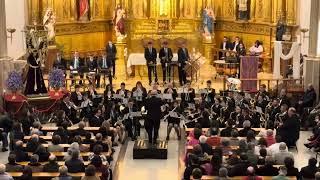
(314, 27)
(3, 31)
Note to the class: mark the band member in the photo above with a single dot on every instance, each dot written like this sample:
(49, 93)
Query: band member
(111, 56)
(209, 94)
(69, 108)
(86, 107)
(108, 95)
(174, 121)
(289, 129)
(131, 123)
(105, 67)
(152, 123)
(155, 87)
(281, 116)
(60, 62)
(187, 96)
(284, 99)
(165, 55)
(183, 57)
(262, 90)
(123, 92)
(150, 54)
(76, 67)
(272, 110)
(93, 96)
(76, 96)
(245, 115)
(171, 90)
(236, 44)
(225, 45)
(139, 94)
(92, 65)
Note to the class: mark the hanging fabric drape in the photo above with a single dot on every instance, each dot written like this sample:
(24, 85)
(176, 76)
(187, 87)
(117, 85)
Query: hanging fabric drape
(294, 53)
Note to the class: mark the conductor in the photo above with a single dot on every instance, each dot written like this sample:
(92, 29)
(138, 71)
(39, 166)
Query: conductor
(152, 124)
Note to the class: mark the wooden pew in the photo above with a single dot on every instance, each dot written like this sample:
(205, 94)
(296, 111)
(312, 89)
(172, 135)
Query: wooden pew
(48, 138)
(61, 163)
(49, 174)
(84, 155)
(54, 128)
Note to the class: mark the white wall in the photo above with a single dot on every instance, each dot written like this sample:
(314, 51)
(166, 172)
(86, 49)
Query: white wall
(304, 13)
(16, 15)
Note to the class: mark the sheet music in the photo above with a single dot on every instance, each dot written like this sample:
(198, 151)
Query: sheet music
(117, 96)
(136, 114)
(74, 72)
(167, 96)
(180, 90)
(191, 106)
(159, 96)
(259, 109)
(173, 114)
(202, 91)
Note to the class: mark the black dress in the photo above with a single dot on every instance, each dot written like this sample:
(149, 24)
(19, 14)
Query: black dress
(35, 83)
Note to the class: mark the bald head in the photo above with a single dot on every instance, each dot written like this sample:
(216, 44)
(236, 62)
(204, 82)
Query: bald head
(2, 168)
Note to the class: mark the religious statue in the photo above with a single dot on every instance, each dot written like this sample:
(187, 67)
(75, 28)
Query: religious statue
(242, 10)
(208, 20)
(35, 82)
(118, 21)
(83, 10)
(49, 20)
(281, 30)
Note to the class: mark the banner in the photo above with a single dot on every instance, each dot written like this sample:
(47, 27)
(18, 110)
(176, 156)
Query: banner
(83, 7)
(249, 72)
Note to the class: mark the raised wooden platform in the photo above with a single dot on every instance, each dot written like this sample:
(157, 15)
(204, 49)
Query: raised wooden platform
(143, 150)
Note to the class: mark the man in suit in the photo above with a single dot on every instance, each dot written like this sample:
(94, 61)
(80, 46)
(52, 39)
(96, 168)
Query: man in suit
(92, 65)
(284, 99)
(111, 56)
(76, 96)
(183, 57)
(60, 63)
(96, 121)
(105, 66)
(150, 54)
(132, 123)
(165, 55)
(225, 45)
(236, 44)
(122, 91)
(152, 124)
(209, 94)
(76, 67)
(289, 130)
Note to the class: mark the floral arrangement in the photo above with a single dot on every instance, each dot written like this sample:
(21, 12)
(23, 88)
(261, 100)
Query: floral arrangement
(56, 79)
(14, 81)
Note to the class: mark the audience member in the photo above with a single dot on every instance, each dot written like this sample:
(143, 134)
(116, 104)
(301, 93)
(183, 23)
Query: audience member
(42, 153)
(252, 157)
(195, 138)
(52, 165)
(223, 174)
(3, 174)
(226, 132)
(12, 166)
(262, 156)
(206, 148)
(246, 128)
(317, 176)
(33, 143)
(74, 147)
(34, 164)
(74, 164)
(240, 169)
(26, 173)
(63, 174)
(20, 153)
(234, 140)
(251, 174)
(291, 170)
(282, 154)
(55, 146)
(90, 173)
(214, 139)
(267, 169)
(308, 172)
(282, 174)
(270, 138)
(82, 147)
(274, 148)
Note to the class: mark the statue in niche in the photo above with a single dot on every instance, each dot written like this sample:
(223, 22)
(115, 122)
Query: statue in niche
(96, 8)
(281, 29)
(138, 9)
(243, 8)
(83, 10)
(163, 8)
(188, 8)
(49, 21)
(119, 22)
(208, 22)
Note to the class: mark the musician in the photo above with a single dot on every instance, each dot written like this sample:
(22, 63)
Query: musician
(241, 51)
(76, 96)
(261, 102)
(76, 67)
(280, 117)
(216, 108)
(92, 65)
(155, 87)
(111, 51)
(284, 99)
(174, 122)
(289, 130)
(187, 96)
(165, 56)
(263, 90)
(171, 90)
(242, 102)
(183, 57)
(208, 97)
(150, 54)
(236, 44)
(152, 123)
(139, 94)
(93, 96)
(60, 62)
(123, 91)
(245, 115)
(86, 107)
(112, 113)
(236, 114)
(225, 45)
(272, 110)
(69, 108)
(96, 120)
(131, 124)
(105, 66)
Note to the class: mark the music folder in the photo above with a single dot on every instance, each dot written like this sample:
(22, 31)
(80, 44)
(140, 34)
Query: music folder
(173, 114)
(191, 106)
(259, 109)
(202, 91)
(136, 114)
(74, 72)
(117, 96)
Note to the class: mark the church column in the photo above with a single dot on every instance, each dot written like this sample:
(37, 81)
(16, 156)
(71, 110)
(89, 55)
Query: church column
(314, 27)
(3, 31)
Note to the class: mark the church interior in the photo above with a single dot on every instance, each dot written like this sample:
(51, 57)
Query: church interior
(159, 89)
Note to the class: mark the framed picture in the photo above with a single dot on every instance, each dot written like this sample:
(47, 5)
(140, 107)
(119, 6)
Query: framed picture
(163, 25)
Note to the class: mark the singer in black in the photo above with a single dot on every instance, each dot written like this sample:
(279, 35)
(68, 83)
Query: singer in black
(150, 54)
(92, 65)
(165, 55)
(111, 56)
(183, 57)
(152, 123)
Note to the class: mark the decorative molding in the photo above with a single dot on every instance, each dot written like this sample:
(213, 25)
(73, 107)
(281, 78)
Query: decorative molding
(83, 27)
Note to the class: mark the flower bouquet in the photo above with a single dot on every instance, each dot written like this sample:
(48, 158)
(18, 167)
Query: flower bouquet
(14, 83)
(56, 80)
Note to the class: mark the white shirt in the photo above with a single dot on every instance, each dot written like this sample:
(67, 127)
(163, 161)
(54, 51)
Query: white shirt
(224, 45)
(76, 62)
(235, 46)
(274, 148)
(256, 50)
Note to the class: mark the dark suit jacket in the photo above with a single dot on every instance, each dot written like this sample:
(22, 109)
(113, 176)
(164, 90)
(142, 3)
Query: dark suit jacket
(111, 52)
(95, 121)
(92, 65)
(192, 95)
(228, 45)
(81, 64)
(125, 92)
(210, 95)
(308, 172)
(183, 56)
(237, 47)
(74, 99)
(153, 106)
(150, 57)
(75, 165)
(60, 64)
(162, 55)
(174, 93)
(109, 62)
(267, 170)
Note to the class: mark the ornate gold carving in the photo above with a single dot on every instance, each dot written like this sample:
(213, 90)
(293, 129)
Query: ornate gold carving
(78, 28)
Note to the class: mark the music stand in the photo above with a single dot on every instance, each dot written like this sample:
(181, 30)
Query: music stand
(172, 64)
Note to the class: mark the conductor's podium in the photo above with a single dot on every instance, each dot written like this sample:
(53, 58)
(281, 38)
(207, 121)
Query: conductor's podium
(143, 150)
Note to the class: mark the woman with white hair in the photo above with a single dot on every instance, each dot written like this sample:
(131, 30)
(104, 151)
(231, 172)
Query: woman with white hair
(73, 147)
(3, 174)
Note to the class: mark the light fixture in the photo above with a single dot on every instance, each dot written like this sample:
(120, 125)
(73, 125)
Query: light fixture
(11, 31)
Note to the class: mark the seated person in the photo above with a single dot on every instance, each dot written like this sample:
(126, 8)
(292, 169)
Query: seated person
(251, 174)
(63, 174)
(280, 156)
(34, 164)
(234, 140)
(246, 127)
(196, 174)
(3, 174)
(256, 49)
(267, 169)
(82, 147)
(20, 153)
(42, 153)
(33, 143)
(214, 139)
(206, 148)
(240, 169)
(52, 165)
(310, 170)
(12, 166)
(74, 164)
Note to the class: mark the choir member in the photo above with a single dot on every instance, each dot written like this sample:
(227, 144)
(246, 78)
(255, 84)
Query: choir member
(183, 57)
(165, 56)
(150, 54)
